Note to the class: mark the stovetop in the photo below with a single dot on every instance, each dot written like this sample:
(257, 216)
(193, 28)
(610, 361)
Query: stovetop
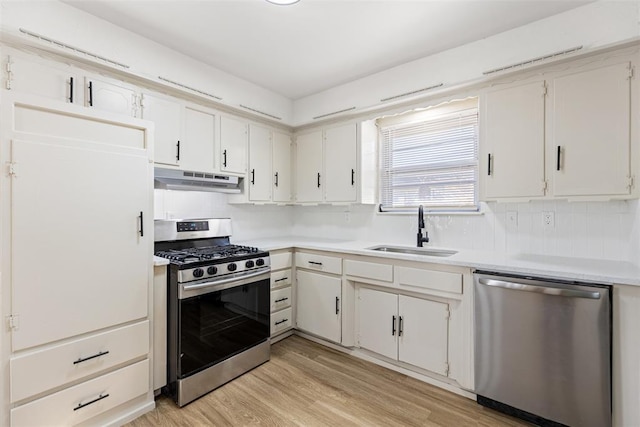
(210, 254)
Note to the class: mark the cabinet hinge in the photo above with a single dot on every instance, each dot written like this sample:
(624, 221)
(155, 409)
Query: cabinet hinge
(544, 89)
(631, 71)
(141, 100)
(447, 313)
(9, 73)
(630, 181)
(11, 169)
(13, 322)
(446, 368)
(545, 185)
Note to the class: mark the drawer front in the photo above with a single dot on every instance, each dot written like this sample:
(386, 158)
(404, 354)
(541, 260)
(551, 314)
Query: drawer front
(429, 279)
(281, 321)
(368, 270)
(281, 260)
(280, 278)
(324, 263)
(73, 405)
(280, 298)
(43, 370)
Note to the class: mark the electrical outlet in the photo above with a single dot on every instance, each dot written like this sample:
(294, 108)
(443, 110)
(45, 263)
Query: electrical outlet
(512, 218)
(549, 219)
(347, 217)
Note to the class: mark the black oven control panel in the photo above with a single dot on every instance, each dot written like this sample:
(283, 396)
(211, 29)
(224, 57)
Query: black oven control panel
(193, 226)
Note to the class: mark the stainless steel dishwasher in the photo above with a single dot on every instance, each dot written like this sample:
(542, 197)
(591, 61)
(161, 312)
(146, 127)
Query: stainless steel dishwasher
(543, 349)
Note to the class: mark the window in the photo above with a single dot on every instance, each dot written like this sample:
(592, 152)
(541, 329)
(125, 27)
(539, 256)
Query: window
(430, 158)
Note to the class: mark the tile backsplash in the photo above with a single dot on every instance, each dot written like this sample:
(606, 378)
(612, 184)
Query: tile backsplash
(599, 230)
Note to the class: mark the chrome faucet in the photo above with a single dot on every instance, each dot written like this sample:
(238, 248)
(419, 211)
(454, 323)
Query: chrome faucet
(421, 239)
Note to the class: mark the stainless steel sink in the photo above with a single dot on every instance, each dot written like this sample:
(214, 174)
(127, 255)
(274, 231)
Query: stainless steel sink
(414, 251)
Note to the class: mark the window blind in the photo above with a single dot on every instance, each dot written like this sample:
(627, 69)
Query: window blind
(432, 162)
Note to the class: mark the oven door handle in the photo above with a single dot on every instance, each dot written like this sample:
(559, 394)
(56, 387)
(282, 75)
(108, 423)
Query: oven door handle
(187, 291)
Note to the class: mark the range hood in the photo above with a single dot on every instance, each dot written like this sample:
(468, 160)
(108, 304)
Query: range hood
(173, 179)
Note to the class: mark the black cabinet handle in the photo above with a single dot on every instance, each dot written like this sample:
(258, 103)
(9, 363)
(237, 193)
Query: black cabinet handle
(558, 158)
(102, 353)
(71, 90)
(253, 177)
(393, 325)
(489, 165)
(178, 151)
(337, 305)
(90, 94)
(281, 300)
(82, 405)
(281, 321)
(141, 224)
(224, 158)
(400, 326)
(318, 179)
(280, 280)
(315, 263)
(353, 177)
(276, 179)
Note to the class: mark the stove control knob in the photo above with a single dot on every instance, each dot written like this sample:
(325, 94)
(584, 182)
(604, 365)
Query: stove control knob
(212, 270)
(259, 262)
(232, 266)
(198, 272)
(249, 264)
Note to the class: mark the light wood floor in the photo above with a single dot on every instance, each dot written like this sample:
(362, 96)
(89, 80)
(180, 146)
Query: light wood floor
(306, 384)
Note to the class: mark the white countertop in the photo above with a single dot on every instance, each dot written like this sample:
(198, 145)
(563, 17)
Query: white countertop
(592, 270)
(158, 261)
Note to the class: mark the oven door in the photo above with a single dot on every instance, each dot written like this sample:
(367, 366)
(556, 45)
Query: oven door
(221, 319)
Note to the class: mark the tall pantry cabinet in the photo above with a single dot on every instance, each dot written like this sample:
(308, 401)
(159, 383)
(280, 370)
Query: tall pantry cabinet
(76, 239)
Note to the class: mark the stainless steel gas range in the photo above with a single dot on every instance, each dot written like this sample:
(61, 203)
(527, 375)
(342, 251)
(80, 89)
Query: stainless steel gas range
(218, 305)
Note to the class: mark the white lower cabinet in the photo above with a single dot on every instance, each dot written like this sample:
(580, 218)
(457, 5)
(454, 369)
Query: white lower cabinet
(318, 304)
(86, 400)
(281, 292)
(408, 329)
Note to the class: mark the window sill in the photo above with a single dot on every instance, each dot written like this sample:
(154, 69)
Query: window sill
(433, 213)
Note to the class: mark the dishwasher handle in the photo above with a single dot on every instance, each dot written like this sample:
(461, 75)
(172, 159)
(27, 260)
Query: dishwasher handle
(571, 293)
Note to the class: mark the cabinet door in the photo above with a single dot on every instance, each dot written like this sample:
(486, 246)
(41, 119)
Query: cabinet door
(197, 150)
(318, 305)
(166, 114)
(378, 322)
(259, 163)
(309, 179)
(37, 77)
(591, 132)
(111, 96)
(281, 167)
(233, 145)
(423, 333)
(78, 204)
(513, 160)
(340, 164)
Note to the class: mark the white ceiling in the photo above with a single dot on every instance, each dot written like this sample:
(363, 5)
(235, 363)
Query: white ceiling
(314, 45)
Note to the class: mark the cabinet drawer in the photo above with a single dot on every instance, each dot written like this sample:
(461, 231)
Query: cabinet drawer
(280, 298)
(368, 270)
(280, 278)
(281, 260)
(74, 405)
(429, 279)
(40, 371)
(281, 321)
(324, 263)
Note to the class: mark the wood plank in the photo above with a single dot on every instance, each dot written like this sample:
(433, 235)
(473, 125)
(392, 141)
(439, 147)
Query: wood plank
(307, 384)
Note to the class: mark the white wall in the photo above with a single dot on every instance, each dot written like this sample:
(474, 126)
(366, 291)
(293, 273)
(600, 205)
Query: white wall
(602, 230)
(248, 221)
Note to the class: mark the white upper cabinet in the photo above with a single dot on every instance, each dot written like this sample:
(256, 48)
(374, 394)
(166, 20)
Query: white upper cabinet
(340, 163)
(591, 140)
(112, 96)
(281, 153)
(36, 76)
(197, 151)
(309, 167)
(233, 145)
(259, 163)
(326, 165)
(166, 113)
(512, 148)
